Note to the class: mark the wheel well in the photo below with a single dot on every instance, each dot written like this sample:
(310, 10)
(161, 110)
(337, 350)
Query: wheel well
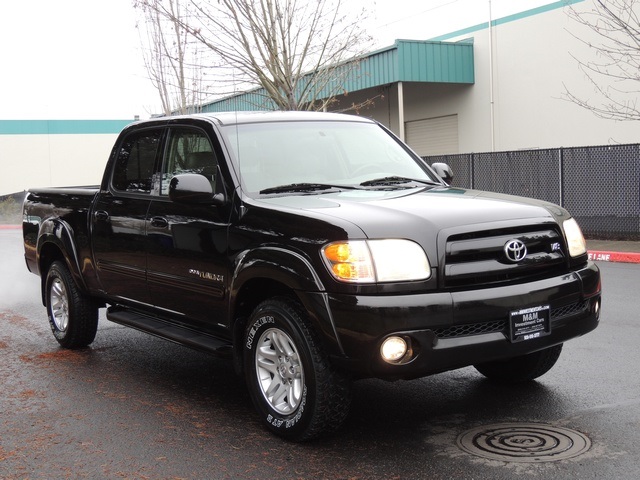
(256, 291)
(48, 254)
(249, 297)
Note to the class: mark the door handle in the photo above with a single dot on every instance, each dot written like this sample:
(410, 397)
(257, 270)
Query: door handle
(101, 216)
(159, 222)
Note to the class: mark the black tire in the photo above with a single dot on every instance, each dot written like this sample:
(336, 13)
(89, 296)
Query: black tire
(521, 369)
(297, 393)
(73, 318)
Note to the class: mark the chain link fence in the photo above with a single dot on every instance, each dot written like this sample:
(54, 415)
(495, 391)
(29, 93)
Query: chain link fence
(599, 185)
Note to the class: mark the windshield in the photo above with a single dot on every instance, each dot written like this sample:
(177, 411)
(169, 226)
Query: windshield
(338, 154)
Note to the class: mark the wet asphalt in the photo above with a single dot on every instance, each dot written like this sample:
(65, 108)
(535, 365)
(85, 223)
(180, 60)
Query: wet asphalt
(137, 407)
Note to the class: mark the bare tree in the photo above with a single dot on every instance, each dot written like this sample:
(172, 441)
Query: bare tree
(170, 56)
(614, 69)
(296, 50)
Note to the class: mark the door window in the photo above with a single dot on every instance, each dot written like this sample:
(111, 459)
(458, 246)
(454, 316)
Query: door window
(189, 151)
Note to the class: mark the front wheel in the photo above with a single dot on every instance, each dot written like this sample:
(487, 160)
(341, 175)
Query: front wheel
(523, 368)
(294, 388)
(73, 318)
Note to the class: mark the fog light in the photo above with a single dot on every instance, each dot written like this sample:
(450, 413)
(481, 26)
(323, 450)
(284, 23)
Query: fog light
(393, 349)
(596, 308)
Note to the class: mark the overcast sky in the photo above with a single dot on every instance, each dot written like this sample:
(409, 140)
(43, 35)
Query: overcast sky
(80, 59)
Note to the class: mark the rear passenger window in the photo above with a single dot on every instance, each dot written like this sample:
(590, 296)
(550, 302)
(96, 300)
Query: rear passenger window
(135, 164)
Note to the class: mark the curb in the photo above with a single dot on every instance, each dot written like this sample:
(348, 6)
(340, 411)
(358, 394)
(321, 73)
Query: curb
(623, 257)
(10, 227)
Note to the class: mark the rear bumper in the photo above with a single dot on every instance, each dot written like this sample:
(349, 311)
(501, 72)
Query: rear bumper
(456, 329)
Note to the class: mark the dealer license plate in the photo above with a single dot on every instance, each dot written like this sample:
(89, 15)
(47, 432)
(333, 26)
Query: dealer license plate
(530, 323)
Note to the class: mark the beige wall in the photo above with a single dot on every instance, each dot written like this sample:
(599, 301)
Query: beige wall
(531, 64)
(52, 160)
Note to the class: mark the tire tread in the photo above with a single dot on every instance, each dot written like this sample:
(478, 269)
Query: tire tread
(83, 312)
(333, 388)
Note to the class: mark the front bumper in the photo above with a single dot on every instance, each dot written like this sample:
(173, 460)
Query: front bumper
(449, 330)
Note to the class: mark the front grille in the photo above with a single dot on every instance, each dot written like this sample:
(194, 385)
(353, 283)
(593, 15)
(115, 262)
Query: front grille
(502, 326)
(479, 258)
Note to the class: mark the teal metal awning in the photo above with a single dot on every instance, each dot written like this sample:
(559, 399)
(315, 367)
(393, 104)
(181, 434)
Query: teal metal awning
(405, 61)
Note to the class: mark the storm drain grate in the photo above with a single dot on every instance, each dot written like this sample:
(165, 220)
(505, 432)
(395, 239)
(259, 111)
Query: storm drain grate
(524, 442)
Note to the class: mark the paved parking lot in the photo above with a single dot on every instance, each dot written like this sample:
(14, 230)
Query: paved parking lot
(133, 406)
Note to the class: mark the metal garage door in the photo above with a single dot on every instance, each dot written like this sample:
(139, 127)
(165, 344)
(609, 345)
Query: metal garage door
(433, 136)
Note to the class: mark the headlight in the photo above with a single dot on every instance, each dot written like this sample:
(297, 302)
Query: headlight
(575, 240)
(369, 261)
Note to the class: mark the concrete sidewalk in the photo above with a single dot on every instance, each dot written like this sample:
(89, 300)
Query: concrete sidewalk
(599, 250)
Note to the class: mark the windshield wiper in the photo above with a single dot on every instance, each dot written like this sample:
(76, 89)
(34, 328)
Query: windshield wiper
(304, 187)
(394, 180)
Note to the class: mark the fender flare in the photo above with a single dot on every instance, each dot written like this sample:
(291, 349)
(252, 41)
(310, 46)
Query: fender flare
(59, 234)
(295, 272)
(285, 266)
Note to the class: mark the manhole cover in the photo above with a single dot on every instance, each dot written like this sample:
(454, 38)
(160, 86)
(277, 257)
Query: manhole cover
(524, 442)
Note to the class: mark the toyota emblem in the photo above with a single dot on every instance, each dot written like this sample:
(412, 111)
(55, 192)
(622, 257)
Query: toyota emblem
(515, 250)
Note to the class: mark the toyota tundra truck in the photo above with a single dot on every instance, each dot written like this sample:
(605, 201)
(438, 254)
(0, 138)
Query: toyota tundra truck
(311, 250)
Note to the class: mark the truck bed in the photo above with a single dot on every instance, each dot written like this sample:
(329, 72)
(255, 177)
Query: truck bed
(48, 210)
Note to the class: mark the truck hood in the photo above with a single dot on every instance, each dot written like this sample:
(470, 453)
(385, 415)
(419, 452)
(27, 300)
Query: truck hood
(402, 213)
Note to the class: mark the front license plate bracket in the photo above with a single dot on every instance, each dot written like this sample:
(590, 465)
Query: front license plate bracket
(530, 323)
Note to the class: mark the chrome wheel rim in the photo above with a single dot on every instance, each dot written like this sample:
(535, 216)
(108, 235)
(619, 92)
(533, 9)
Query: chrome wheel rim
(59, 305)
(279, 370)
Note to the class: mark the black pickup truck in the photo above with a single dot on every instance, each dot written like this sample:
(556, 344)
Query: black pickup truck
(311, 249)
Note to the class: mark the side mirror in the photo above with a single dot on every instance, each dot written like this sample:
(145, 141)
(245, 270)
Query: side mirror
(444, 172)
(193, 188)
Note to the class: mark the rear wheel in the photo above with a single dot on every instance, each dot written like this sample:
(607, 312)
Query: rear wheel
(296, 391)
(73, 318)
(521, 369)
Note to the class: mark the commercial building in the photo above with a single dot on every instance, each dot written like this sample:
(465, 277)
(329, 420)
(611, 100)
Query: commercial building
(498, 85)
(495, 86)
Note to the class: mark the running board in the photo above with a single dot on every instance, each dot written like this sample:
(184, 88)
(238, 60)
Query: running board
(168, 331)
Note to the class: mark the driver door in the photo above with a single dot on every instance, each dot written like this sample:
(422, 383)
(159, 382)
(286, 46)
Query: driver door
(187, 268)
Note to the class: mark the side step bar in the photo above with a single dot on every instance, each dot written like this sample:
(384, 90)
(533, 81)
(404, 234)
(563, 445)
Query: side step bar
(168, 331)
